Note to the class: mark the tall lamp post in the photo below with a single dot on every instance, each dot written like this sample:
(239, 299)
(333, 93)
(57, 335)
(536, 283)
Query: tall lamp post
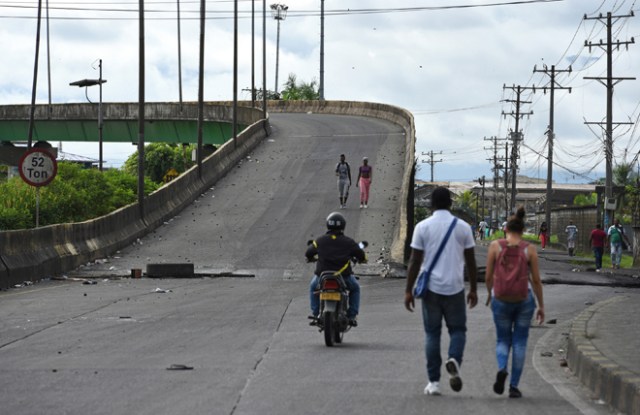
(86, 83)
(279, 12)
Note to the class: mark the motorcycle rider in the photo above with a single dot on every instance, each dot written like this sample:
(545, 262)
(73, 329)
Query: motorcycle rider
(334, 251)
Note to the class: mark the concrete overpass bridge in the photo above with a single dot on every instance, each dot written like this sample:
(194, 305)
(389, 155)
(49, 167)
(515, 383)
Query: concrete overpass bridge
(167, 122)
(266, 193)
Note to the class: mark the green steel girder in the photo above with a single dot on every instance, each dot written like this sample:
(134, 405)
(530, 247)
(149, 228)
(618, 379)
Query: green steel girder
(118, 131)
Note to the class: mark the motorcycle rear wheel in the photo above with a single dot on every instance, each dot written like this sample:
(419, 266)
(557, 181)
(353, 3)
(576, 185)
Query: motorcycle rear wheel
(329, 327)
(337, 334)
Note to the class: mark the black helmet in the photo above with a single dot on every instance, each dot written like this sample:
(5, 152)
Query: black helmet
(336, 222)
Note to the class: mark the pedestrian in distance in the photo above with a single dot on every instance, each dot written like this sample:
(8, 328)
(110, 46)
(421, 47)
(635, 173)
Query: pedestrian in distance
(543, 235)
(343, 171)
(597, 239)
(572, 234)
(512, 273)
(365, 176)
(617, 239)
(441, 246)
(482, 228)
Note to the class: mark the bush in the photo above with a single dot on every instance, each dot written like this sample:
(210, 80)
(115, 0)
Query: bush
(75, 195)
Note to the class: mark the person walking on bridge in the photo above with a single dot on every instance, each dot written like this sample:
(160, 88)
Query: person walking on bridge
(365, 175)
(343, 171)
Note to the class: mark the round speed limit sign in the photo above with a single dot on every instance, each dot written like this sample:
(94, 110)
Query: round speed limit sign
(38, 167)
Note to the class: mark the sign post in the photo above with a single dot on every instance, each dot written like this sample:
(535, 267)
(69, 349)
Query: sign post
(38, 168)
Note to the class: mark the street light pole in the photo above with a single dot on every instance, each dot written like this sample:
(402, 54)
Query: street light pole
(321, 88)
(86, 83)
(100, 123)
(279, 12)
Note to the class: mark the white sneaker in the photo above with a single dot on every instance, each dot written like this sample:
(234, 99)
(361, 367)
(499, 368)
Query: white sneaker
(433, 388)
(361, 205)
(365, 206)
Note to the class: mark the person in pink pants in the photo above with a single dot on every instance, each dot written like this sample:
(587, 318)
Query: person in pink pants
(365, 174)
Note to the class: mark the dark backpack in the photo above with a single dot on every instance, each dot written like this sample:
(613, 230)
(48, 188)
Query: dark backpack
(511, 272)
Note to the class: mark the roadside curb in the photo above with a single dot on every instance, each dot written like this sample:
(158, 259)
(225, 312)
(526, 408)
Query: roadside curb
(610, 382)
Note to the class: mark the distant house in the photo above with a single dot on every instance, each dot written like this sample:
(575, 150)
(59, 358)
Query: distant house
(86, 162)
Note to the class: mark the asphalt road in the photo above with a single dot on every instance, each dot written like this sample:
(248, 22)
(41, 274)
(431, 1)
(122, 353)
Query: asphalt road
(242, 344)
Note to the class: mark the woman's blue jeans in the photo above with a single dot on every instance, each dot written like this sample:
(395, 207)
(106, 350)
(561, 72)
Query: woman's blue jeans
(354, 295)
(452, 308)
(512, 321)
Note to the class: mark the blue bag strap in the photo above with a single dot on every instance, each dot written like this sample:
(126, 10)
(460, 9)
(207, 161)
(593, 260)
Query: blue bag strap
(442, 244)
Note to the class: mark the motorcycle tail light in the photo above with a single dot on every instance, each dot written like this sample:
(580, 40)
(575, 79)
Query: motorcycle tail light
(330, 285)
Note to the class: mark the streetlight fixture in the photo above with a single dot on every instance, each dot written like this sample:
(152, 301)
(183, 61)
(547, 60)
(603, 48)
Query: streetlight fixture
(86, 83)
(279, 12)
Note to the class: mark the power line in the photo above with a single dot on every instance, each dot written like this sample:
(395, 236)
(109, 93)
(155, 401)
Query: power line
(291, 14)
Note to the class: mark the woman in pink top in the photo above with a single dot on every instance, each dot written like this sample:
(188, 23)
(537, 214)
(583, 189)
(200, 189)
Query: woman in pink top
(365, 174)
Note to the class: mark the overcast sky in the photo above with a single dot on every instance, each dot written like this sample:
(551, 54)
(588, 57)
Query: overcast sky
(446, 61)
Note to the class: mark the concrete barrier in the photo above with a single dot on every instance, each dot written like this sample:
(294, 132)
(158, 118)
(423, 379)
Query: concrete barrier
(34, 254)
(4, 276)
(29, 255)
(606, 378)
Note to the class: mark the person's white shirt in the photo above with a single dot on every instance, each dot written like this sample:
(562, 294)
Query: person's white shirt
(447, 277)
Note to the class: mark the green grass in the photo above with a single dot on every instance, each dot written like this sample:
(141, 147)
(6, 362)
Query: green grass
(529, 237)
(625, 262)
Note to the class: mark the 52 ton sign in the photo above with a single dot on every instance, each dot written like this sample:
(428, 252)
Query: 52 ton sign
(38, 167)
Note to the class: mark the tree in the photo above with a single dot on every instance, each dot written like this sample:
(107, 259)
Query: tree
(75, 195)
(159, 158)
(623, 176)
(294, 91)
(585, 200)
(466, 202)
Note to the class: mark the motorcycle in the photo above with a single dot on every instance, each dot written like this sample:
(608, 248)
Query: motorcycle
(334, 303)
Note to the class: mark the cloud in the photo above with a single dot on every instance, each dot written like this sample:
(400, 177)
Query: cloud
(448, 66)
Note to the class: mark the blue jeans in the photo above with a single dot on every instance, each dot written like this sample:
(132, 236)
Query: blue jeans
(354, 295)
(597, 252)
(616, 253)
(512, 321)
(453, 309)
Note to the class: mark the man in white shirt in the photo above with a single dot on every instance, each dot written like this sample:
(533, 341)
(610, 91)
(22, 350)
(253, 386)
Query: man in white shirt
(445, 296)
(482, 228)
(572, 234)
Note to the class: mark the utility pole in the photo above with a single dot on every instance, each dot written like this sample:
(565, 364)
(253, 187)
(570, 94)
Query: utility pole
(321, 86)
(431, 161)
(516, 137)
(482, 181)
(506, 179)
(609, 82)
(553, 85)
(496, 174)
